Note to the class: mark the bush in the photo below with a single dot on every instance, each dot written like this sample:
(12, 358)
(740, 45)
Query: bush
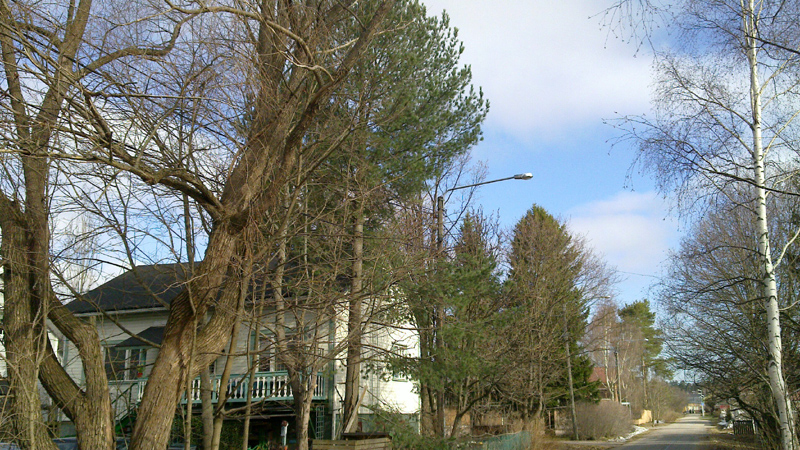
(404, 433)
(231, 435)
(605, 419)
(670, 416)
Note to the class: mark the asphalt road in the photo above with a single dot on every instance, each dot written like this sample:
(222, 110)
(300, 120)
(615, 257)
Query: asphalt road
(685, 434)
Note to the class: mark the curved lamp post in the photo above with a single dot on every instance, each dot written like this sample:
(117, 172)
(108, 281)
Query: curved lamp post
(439, 248)
(440, 203)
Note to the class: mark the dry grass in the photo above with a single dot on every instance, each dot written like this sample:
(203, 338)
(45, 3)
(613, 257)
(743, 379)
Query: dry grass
(603, 420)
(725, 440)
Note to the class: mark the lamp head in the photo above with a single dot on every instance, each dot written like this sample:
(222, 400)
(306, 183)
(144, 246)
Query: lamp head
(523, 176)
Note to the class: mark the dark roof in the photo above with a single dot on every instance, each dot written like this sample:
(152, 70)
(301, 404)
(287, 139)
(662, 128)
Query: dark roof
(152, 334)
(139, 288)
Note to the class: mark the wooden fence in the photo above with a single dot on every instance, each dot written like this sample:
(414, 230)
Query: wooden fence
(361, 444)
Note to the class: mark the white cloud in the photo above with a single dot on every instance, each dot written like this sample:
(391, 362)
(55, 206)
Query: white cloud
(546, 65)
(631, 230)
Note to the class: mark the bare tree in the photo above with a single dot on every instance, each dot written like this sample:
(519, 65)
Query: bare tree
(284, 105)
(725, 120)
(602, 343)
(713, 291)
(47, 66)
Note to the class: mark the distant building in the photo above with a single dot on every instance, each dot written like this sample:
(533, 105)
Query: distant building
(604, 388)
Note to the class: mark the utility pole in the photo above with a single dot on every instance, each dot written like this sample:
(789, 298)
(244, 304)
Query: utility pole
(644, 380)
(569, 376)
(619, 385)
(441, 418)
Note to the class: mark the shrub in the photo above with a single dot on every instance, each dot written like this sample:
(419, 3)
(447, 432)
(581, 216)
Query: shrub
(670, 416)
(405, 435)
(605, 419)
(231, 435)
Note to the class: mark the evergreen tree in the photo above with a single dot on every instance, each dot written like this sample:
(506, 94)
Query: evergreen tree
(552, 278)
(467, 365)
(638, 318)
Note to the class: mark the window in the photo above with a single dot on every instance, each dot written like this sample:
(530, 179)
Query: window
(125, 363)
(267, 358)
(265, 353)
(115, 363)
(293, 347)
(397, 354)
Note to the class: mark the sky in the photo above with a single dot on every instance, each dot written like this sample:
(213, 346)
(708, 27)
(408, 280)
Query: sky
(553, 74)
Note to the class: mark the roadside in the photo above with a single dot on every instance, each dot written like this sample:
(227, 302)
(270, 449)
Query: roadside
(715, 440)
(726, 440)
(563, 444)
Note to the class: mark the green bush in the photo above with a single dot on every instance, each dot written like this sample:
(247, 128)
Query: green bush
(405, 435)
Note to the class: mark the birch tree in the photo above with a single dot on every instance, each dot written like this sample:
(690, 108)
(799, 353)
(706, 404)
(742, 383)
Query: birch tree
(713, 290)
(726, 106)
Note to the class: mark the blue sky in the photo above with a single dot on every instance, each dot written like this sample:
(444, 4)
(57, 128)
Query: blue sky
(552, 74)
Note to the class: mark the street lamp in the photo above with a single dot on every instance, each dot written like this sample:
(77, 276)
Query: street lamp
(439, 249)
(440, 203)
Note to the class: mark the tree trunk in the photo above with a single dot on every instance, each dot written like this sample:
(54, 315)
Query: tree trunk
(569, 375)
(207, 408)
(303, 391)
(439, 424)
(425, 411)
(255, 329)
(165, 384)
(777, 383)
(571, 387)
(21, 341)
(457, 422)
(233, 342)
(426, 418)
(354, 326)
(29, 299)
(216, 433)
(252, 188)
(301, 395)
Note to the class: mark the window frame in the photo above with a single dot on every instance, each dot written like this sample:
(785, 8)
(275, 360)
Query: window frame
(397, 350)
(125, 368)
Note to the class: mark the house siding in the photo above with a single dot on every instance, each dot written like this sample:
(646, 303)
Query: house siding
(383, 389)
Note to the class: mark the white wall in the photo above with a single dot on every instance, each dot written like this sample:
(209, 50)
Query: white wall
(385, 390)
(111, 331)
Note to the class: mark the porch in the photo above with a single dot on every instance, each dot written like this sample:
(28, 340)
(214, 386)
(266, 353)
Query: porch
(269, 386)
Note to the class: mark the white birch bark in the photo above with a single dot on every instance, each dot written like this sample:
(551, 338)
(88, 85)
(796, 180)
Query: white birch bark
(769, 286)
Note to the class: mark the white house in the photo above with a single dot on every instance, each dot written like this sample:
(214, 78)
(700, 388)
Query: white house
(130, 312)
